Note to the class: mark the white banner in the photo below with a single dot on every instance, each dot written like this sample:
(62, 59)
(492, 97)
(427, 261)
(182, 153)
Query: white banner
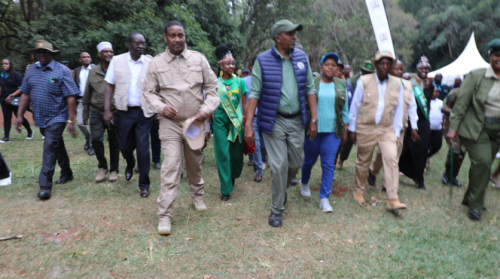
(380, 25)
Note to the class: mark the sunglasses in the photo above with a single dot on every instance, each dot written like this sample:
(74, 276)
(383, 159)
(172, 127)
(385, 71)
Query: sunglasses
(39, 51)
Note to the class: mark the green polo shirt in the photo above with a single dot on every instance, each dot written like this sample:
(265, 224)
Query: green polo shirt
(289, 100)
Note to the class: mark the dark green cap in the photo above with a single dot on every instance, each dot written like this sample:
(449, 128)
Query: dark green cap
(64, 62)
(367, 66)
(494, 46)
(284, 25)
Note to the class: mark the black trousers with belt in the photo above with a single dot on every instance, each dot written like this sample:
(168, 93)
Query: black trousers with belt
(54, 150)
(133, 130)
(97, 129)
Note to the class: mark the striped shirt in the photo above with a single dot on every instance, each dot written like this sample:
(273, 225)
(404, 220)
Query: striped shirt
(48, 89)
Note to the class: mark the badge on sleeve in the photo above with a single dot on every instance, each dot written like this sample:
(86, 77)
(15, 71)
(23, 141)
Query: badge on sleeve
(301, 65)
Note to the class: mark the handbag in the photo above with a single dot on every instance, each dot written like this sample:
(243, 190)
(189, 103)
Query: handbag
(15, 101)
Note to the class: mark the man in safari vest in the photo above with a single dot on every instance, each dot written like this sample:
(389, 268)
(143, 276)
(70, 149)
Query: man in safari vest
(125, 76)
(376, 118)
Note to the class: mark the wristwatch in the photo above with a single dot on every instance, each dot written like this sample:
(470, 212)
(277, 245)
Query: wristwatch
(314, 120)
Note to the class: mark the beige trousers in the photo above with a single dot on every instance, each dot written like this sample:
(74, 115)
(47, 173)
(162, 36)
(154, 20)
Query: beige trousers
(377, 163)
(173, 144)
(368, 137)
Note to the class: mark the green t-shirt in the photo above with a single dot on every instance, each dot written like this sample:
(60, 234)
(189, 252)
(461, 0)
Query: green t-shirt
(235, 87)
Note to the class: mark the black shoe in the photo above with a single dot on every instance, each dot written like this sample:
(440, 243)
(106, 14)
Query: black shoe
(474, 215)
(225, 197)
(421, 186)
(294, 182)
(145, 193)
(371, 179)
(250, 163)
(467, 204)
(86, 146)
(64, 179)
(91, 151)
(5, 140)
(129, 172)
(456, 182)
(44, 193)
(157, 166)
(275, 220)
(445, 179)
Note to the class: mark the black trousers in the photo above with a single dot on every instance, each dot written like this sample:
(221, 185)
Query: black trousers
(436, 142)
(7, 111)
(134, 129)
(155, 142)
(4, 169)
(54, 150)
(97, 129)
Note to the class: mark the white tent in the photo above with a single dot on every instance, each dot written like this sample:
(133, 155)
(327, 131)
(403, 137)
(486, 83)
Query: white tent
(469, 60)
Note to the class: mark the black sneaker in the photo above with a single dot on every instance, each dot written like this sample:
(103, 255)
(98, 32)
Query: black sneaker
(30, 135)
(5, 140)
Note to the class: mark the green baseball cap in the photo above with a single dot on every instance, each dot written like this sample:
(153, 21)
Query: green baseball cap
(494, 46)
(284, 25)
(367, 66)
(64, 62)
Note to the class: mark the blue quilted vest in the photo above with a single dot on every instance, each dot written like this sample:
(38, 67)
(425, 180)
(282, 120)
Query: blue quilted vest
(271, 66)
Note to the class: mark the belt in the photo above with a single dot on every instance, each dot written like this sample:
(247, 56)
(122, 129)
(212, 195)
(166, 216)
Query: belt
(289, 115)
(492, 120)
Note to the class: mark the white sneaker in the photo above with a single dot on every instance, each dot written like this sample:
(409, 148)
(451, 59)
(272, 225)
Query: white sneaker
(325, 205)
(6, 181)
(30, 136)
(164, 227)
(304, 190)
(200, 206)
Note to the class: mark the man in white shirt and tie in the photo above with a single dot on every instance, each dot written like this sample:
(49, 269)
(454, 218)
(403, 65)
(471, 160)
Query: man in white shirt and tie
(376, 118)
(80, 76)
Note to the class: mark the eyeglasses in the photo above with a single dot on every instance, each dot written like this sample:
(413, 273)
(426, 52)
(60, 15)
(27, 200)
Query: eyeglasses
(42, 51)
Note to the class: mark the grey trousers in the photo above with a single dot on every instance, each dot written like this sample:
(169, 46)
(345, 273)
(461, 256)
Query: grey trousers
(284, 148)
(79, 121)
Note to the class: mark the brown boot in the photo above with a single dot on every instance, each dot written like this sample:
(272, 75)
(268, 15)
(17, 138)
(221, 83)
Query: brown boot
(358, 197)
(339, 164)
(101, 176)
(395, 205)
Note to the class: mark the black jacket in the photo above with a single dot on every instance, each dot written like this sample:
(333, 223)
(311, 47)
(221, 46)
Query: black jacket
(10, 84)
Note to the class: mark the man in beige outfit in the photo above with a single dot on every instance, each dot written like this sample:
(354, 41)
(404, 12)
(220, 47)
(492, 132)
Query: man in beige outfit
(376, 118)
(174, 88)
(409, 112)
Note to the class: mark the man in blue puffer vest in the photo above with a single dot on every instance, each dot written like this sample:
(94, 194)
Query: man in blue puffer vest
(281, 81)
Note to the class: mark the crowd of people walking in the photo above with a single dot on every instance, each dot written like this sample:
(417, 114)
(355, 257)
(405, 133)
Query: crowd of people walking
(278, 110)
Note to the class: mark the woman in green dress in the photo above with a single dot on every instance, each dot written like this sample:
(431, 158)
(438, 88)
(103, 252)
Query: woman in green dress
(228, 122)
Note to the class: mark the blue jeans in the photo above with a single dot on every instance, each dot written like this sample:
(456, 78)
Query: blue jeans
(257, 158)
(325, 145)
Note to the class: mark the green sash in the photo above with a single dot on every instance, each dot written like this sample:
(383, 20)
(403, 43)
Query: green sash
(420, 98)
(233, 113)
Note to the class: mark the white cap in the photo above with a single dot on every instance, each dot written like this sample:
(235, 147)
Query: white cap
(104, 45)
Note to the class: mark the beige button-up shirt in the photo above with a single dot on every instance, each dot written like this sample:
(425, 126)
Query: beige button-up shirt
(178, 81)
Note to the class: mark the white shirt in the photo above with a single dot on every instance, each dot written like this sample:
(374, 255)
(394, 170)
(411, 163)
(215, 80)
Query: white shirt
(435, 114)
(84, 75)
(357, 100)
(135, 67)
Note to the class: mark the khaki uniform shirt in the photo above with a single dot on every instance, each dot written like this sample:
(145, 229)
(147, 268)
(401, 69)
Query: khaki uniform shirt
(179, 81)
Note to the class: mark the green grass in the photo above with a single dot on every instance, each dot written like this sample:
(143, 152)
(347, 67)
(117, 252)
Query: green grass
(107, 231)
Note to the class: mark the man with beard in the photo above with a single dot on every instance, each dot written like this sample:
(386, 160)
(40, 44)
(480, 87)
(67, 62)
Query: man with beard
(409, 112)
(376, 118)
(124, 77)
(174, 89)
(93, 100)
(282, 80)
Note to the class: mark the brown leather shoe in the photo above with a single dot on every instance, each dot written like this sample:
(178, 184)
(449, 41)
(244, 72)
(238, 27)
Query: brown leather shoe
(145, 193)
(258, 178)
(358, 197)
(395, 205)
(101, 176)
